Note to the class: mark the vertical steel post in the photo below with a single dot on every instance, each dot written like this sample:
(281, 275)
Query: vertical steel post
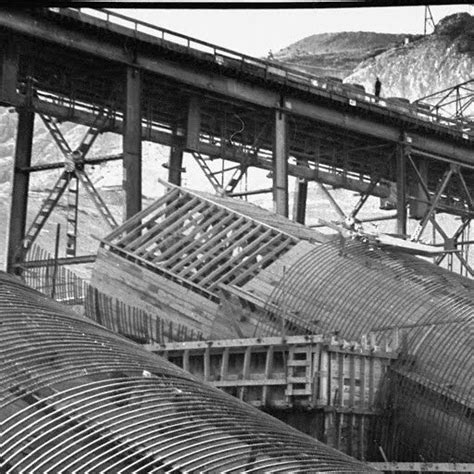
(417, 208)
(193, 126)
(55, 265)
(132, 144)
(401, 190)
(9, 72)
(280, 165)
(20, 187)
(175, 162)
(301, 196)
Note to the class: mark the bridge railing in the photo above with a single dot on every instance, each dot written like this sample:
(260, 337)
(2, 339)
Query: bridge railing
(270, 69)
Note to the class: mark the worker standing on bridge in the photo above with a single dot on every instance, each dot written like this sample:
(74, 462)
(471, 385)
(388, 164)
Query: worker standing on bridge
(378, 86)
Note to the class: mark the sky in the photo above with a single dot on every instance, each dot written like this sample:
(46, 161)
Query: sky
(256, 32)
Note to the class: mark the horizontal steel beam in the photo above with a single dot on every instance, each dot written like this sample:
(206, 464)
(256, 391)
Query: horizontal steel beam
(231, 154)
(220, 85)
(60, 261)
(423, 466)
(52, 166)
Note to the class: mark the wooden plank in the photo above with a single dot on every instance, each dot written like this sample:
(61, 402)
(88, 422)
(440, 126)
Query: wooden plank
(149, 221)
(352, 385)
(224, 245)
(370, 400)
(186, 237)
(247, 231)
(228, 204)
(268, 374)
(245, 371)
(260, 247)
(133, 221)
(218, 219)
(178, 208)
(274, 271)
(224, 364)
(361, 444)
(363, 402)
(239, 383)
(218, 241)
(153, 293)
(279, 245)
(324, 379)
(256, 236)
(277, 342)
(207, 364)
(338, 434)
(340, 378)
(167, 231)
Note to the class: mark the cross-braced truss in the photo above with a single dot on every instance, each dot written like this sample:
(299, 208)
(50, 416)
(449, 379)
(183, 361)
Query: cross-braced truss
(436, 201)
(74, 174)
(454, 102)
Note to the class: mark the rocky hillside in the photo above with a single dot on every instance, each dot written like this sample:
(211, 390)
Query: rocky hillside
(425, 65)
(409, 66)
(337, 54)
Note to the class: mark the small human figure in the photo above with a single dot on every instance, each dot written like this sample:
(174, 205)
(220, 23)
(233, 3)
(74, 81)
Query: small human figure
(378, 86)
(270, 55)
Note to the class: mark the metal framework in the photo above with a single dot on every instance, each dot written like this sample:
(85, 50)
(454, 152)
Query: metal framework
(77, 397)
(429, 21)
(353, 288)
(225, 279)
(218, 105)
(73, 174)
(454, 102)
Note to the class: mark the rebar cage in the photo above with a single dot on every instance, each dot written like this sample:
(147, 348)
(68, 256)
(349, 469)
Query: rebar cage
(76, 397)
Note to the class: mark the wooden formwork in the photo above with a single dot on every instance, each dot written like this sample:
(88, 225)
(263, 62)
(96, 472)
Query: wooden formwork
(332, 382)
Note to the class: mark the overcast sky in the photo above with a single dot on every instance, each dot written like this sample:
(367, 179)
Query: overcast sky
(255, 32)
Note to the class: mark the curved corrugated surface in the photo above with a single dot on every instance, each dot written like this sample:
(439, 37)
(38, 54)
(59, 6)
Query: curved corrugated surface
(75, 397)
(354, 289)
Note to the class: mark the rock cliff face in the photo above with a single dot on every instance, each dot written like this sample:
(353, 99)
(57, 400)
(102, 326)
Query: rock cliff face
(409, 66)
(425, 65)
(337, 54)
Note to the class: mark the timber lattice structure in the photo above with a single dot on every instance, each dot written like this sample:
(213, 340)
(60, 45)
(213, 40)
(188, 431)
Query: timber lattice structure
(295, 281)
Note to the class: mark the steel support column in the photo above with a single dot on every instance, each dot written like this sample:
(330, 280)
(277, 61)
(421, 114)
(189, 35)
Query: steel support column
(419, 207)
(132, 145)
(301, 195)
(20, 185)
(401, 190)
(193, 126)
(280, 165)
(9, 72)
(175, 162)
